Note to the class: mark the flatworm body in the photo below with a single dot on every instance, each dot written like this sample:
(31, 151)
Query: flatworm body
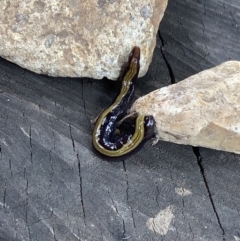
(115, 136)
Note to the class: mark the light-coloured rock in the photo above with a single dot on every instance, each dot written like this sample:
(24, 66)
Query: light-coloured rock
(78, 38)
(202, 110)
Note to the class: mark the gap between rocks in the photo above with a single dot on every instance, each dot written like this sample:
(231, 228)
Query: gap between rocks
(196, 150)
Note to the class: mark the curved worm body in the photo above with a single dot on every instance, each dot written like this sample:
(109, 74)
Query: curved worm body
(112, 139)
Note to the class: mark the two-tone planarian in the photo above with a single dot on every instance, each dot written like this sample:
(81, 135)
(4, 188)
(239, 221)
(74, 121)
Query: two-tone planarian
(117, 134)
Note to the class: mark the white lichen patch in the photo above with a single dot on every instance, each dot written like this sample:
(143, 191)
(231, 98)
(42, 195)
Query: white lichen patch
(182, 191)
(161, 223)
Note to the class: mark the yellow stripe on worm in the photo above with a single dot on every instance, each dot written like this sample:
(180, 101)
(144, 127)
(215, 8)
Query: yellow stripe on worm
(105, 141)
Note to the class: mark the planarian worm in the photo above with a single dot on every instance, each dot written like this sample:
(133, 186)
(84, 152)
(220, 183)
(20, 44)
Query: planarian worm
(116, 136)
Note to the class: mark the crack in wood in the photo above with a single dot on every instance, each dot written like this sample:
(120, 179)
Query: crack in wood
(51, 172)
(54, 235)
(184, 217)
(123, 222)
(81, 189)
(124, 231)
(42, 219)
(73, 144)
(170, 71)
(80, 176)
(10, 167)
(84, 102)
(158, 194)
(127, 194)
(199, 162)
(115, 206)
(1, 151)
(26, 206)
(5, 194)
(195, 149)
(30, 142)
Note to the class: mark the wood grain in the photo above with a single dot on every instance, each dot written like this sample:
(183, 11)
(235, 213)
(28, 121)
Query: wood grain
(54, 187)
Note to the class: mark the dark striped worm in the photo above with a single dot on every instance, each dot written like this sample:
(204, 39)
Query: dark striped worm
(114, 135)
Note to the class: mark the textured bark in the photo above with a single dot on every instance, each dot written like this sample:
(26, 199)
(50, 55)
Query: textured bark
(54, 187)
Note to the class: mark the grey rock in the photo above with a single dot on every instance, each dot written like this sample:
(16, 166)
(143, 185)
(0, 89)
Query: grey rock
(78, 38)
(202, 110)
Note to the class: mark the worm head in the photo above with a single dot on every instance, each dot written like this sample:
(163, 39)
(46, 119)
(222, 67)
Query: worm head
(135, 55)
(134, 59)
